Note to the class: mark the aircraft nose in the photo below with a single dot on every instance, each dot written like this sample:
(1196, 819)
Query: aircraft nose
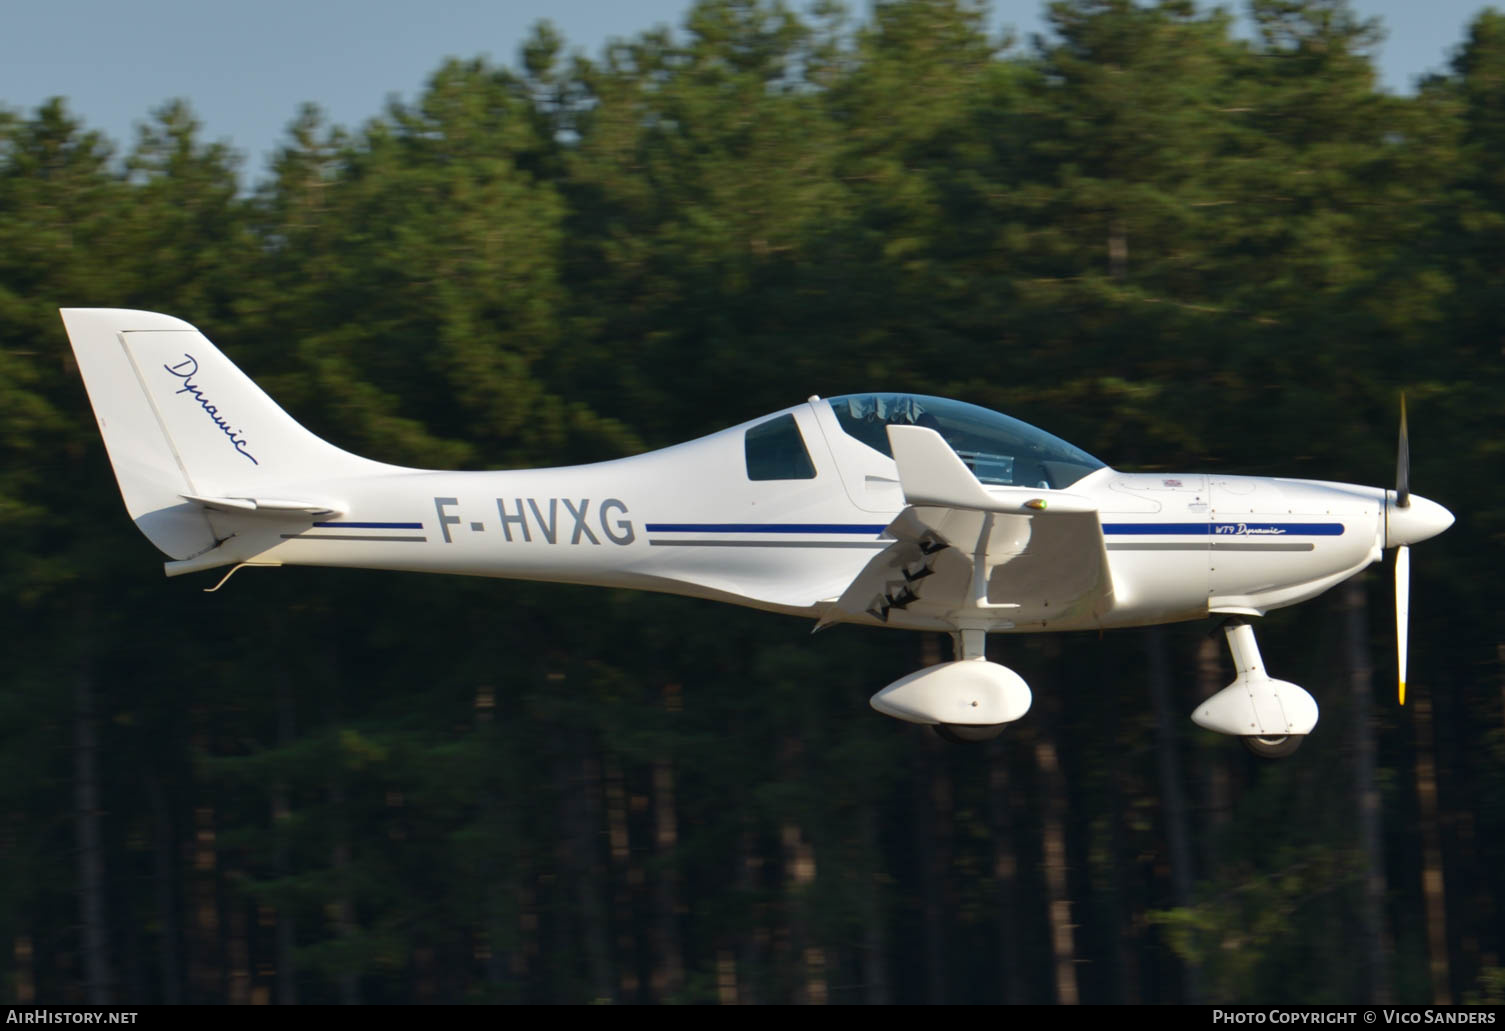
(1418, 521)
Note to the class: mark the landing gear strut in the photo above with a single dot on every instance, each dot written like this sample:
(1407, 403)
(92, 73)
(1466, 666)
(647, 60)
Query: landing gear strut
(970, 645)
(968, 699)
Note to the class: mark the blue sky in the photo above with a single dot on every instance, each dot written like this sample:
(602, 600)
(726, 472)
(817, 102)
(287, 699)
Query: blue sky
(245, 68)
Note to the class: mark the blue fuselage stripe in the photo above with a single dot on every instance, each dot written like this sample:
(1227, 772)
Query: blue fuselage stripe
(763, 528)
(1225, 529)
(376, 526)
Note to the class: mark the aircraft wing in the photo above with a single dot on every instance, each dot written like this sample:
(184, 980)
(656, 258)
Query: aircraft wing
(1041, 551)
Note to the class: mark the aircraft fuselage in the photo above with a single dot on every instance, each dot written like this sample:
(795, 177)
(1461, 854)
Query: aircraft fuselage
(1179, 546)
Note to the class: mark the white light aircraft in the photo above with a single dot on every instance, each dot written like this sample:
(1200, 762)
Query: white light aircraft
(880, 509)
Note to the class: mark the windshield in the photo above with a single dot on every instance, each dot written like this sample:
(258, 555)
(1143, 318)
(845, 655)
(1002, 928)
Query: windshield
(998, 449)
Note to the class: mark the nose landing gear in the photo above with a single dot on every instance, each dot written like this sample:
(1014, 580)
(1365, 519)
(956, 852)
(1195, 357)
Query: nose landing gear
(1272, 717)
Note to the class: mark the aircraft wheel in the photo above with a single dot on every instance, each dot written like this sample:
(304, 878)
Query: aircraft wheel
(967, 733)
(1273, 747)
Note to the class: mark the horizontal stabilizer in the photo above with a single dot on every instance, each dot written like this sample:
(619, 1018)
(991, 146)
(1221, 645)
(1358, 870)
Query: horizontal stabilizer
(266, 506)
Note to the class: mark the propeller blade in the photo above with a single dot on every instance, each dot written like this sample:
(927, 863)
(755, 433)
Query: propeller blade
(1402, 611)
(1403, 461)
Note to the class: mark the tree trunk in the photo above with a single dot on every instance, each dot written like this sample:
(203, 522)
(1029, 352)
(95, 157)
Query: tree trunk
(1054, 851)
(204, 950)
(1119, 902)
(806, 959)
(499, 895)
(1005, 873)
(165, 879)
(581, 776)
(1432, 887)
(287, 929)
(726, 977)
(799, 879)
(669, 967)
(749, 878)
(875, 989)
(344, 909)
(26, 975)
(203, 926)
(1118, 250)
(86, 817)
(238, 948)
(932, 800)
(1376, 952)
(1173, 803)
(626, 875)
(1217, 793)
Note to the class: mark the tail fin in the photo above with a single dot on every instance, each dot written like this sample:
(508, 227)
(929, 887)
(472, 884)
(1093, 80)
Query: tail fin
(187, 431)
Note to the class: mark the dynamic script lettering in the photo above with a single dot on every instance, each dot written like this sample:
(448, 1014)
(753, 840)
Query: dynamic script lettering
(185, 370)
(1245, 530)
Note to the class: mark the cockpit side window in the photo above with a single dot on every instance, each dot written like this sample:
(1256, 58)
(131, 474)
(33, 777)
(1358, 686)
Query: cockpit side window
(997, 448)
(776, 451)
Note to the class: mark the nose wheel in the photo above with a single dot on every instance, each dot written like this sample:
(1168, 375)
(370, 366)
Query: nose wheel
(1273, 747)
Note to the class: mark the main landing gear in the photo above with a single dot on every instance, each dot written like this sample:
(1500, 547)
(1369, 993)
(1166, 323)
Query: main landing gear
(970, 699)
(967, 700)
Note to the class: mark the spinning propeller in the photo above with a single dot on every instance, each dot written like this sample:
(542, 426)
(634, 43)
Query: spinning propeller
(1408, 519)
(1402, 553)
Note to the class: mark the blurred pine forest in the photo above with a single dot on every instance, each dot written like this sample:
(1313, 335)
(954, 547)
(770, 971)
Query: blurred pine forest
(1176, 248)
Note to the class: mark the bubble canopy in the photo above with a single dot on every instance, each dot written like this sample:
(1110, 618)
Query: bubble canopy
(997, 448)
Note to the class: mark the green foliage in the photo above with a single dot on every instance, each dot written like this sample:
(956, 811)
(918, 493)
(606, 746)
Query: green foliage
(1491, 990)
(1252, 936)
(1172, 246)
